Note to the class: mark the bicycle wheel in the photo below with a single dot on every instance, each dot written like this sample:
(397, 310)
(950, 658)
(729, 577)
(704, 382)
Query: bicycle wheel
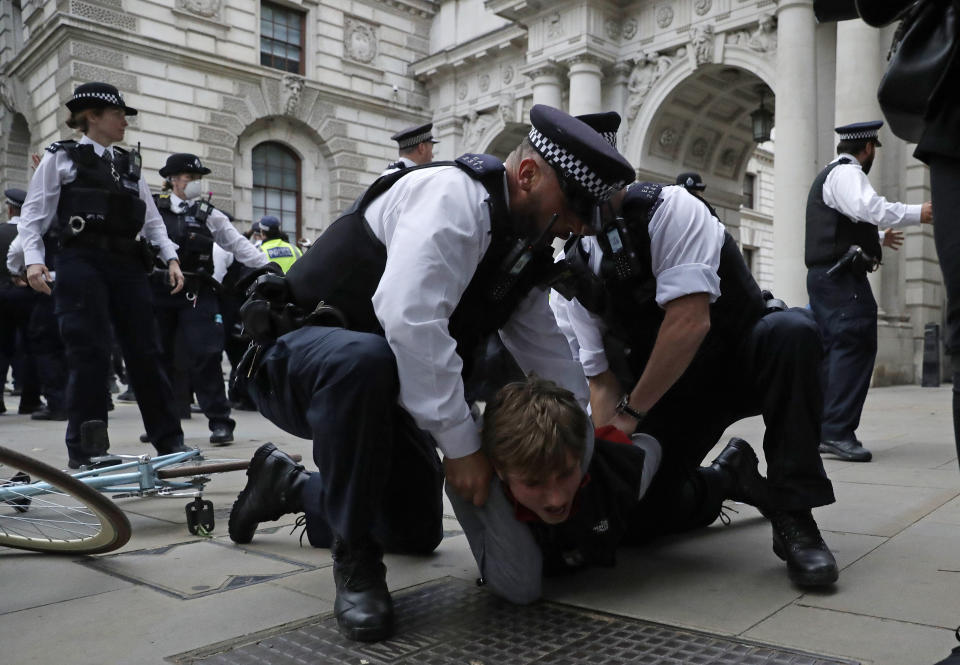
(46, 510)
(201, 467)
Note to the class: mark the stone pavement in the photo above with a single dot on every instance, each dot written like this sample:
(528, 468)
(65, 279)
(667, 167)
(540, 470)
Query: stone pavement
(895, 530)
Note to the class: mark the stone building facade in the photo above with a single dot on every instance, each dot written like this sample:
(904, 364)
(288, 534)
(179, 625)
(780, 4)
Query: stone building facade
(292, 102)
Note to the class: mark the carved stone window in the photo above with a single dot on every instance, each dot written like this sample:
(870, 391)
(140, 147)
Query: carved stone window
(276, 185)
(281, 38)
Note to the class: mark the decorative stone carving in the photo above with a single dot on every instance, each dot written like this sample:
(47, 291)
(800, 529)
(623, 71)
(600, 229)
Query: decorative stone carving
(292, 87)
(664, 16)
(554, 26)
(359, 40)
(647, 70)
(699, 147)
(507, 108)
(612, 28)
(484, 82)
(763, 39)
(507, 74)
(462, 90)
(475, 125)
(668, 137)
(630, 28)
(6, 95)
(701, 41)
(728, 157)
(701, 7)
(204, 8)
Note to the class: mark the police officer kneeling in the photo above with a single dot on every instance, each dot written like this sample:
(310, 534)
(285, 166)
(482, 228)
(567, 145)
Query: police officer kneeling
(678, 343)
(428, 262)
(192, 317)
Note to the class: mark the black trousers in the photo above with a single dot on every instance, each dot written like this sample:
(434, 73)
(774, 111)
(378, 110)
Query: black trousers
(773, 372)
(378, 474)
(191, 338)
(93, 289)
(945, 186)
(846, 312)
(43, 341)
(16, 308)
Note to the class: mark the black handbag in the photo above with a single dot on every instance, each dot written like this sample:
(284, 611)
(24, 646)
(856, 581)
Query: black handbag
(922, 50)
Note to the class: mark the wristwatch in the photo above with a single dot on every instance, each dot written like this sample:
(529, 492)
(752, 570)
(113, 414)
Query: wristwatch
(623, 406)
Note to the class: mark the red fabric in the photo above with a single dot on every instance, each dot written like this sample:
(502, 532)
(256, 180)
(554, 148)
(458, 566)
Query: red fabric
(611, 433)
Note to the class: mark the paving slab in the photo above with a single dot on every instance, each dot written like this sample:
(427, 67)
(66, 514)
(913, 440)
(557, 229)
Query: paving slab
(868, 639)
(879, 510)
(32, 579)
(915, 577)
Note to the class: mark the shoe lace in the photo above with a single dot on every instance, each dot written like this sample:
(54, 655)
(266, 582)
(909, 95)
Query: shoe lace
(361, 566)
(300, 523)
(797, 528)
(725, 509)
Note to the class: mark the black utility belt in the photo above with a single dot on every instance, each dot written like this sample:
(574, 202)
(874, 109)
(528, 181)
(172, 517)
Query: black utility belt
(139, 250)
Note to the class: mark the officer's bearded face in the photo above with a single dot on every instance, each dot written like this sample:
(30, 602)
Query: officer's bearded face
(867, 164)
(549, 496)
(540, 198)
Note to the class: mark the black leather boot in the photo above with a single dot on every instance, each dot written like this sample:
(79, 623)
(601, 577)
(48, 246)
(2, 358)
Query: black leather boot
(273, 489)
(742, 480)
(363, 606)
(797, 540)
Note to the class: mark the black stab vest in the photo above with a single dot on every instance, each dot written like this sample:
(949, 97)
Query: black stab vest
(109, 205)
(190, 231)
(344, 266)
(829, 232)
(629, 307)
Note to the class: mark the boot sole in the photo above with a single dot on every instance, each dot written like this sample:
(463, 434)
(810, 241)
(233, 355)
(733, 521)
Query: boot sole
(263, 452)
(364, 634)
(800, 578)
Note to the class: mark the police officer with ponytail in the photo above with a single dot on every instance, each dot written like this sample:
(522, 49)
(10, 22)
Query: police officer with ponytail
(94, 198)
(192, 317)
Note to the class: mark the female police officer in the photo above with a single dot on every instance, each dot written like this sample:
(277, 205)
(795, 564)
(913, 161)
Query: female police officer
(192, 317)
(94, 199)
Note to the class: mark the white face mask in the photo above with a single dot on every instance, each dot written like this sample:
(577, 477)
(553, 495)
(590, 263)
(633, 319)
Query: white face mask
(193, 190)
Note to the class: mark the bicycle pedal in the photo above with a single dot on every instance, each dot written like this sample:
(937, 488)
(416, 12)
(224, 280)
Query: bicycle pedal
(200, 516)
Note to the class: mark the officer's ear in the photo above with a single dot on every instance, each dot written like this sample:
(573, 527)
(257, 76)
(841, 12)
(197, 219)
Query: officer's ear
(529, 173)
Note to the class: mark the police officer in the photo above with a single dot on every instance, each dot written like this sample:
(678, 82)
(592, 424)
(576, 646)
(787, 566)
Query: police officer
(843, 212)
(190, 320)
(43, 342)
(674, 337)
(276, 244)
(17, 305)
(424, 266)
(95, 198)
(415, 145)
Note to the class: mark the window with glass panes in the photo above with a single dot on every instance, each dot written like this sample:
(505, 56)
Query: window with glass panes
(281, 38)
(276, 185)
(749, 186)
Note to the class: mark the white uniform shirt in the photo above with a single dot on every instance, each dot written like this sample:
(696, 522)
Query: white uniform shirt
(14, 257)
(406, 160)
(43, 195)
(685, 244)
(435, 225)
(848, 190)
(222, 260)
(225, 235)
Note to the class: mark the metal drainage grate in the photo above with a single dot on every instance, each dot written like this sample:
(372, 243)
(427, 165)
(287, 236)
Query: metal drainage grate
(451, 622)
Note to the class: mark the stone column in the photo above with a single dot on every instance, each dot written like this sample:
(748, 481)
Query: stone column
(546, 84)
(585, 89)
(795, 164)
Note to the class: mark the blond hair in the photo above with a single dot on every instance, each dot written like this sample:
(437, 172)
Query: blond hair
(79, 120)
(532, 427)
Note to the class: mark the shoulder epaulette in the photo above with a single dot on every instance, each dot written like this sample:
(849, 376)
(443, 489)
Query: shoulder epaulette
(481, 165)
(162, 199)
(58, 145)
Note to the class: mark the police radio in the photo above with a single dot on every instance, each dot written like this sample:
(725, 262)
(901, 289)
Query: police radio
(620, 251)
(130, 170)
(203, 209)
(516, 260)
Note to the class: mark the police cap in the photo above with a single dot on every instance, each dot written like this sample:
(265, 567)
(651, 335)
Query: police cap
(183, 162)
(605, 124)
(691, 181)
(412, 136)
(97, 95)
(15, 196)
(860, 131)
(269, 222)
(590, 170)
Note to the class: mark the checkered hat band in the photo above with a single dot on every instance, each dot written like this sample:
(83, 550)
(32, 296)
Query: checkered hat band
(572, 167)
(863, 134)
(610, 137)
(108, 97)
(414, 140)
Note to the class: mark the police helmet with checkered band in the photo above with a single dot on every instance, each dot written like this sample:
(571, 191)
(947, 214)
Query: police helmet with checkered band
(183, 162)
(97, 95)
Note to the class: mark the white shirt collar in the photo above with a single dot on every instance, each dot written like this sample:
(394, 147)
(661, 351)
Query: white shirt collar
(97, 148)
(175, 202)
(853, 160)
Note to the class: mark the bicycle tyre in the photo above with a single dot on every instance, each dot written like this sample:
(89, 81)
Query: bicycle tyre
(110, 531)
(201, 467)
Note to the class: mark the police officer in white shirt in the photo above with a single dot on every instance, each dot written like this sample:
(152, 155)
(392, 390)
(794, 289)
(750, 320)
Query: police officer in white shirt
(425, 265)
(192, 318)
(95, 200)
(677, 342)
(843, 213)
(415, 145)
